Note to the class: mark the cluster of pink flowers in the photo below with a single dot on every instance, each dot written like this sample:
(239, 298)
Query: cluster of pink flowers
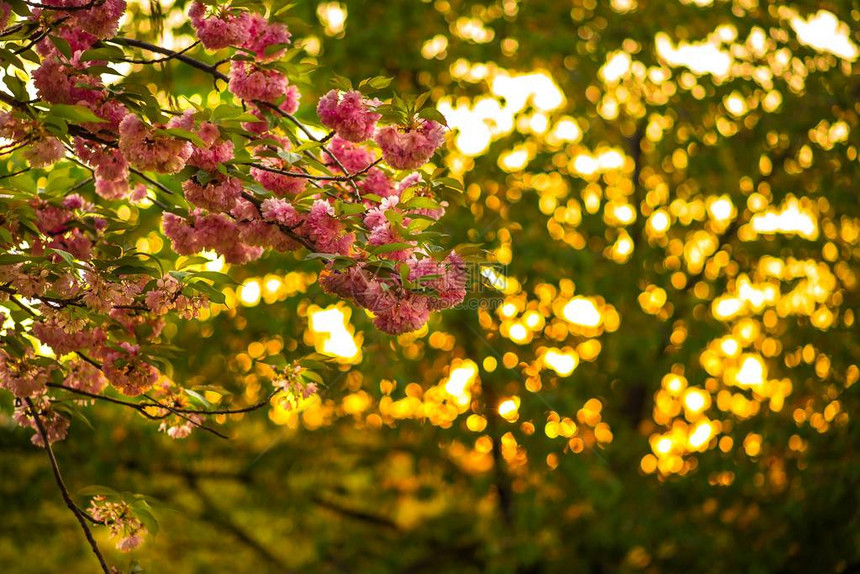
(267, 40)
(149, 151)
(84, 376)
(410, 147)
(126, 371)
(289, 105)
(215, 151)
(101, 20)
(57, 223)
(64, 335)
(65, 82)
(55, 425)
(213, 231)
(103, 295)
(353, 157)
(278, 183)
(45, 151)
(378, 183)
(121, 521)
(292, 387)
(398, 310)
(109, 165)
(219, 194)
(167, 296)
(279, 211)
(173, 425)
(350, 115)
(355, 210)
(326, 231)
(21, 376)
(225, 27)
(252, 82)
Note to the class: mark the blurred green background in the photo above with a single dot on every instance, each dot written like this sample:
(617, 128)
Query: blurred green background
(661, 380)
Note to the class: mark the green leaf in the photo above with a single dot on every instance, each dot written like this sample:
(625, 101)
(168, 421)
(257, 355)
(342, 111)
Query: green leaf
(389, 247)
(350, 208)
(194, 260)
(433, 114)
(62, 45)
(421, 203)
(110, 53)
(183, 134)
(74, 412)
(421, 100)
(74, 113)
(198, 397)
(341, 83)
(214, 294)
(143, 512)
(16, 86)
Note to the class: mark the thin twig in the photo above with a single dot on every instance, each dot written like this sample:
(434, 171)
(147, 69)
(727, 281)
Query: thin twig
(141, 406)
(311, 176)
(80, 515)
(187, 418)
(164, 59)
(41, 6)
(193, 62)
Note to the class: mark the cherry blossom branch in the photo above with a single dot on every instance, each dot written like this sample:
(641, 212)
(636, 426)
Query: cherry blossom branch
(80, 515)
(140, 406)
(213, 70)
(164, 59)
(311, 176)
(58, 303)
(193, 62)
(187, 418)
(312, 137)
(288, 231)
(41, 6)
(14, 173)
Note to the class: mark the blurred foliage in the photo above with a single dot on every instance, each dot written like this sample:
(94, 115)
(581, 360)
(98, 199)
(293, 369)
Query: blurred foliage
(669, 189)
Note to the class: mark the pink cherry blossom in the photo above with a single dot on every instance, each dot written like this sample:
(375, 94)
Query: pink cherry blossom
(102, 20)
(348, 114)
(223, 29)
(212, 231)
(84, 377)
(218, 194)
(55, 425)
(262, 34)
(125, 370)
(410, 148)
(377, 182)
(447, 278)
(290, 105)
(78, 40)
(214, 152)
(250, 82)
(66, 336)
(22, 377)
(353, 157)
(44, 151)
(326, 231)
(280, 211)
(405, 315)
(148, 151)
(58, 82)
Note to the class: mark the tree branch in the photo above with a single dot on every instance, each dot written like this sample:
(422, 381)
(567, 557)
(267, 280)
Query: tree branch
(80, 515)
